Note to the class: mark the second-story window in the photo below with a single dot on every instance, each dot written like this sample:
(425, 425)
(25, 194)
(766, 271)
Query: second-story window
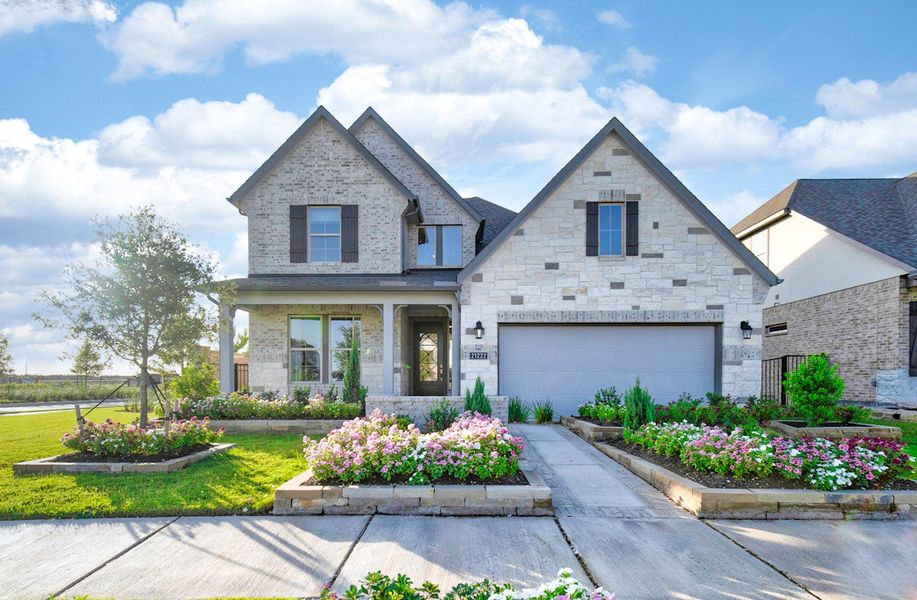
(325, 234)
(611, 229)
(439, 246)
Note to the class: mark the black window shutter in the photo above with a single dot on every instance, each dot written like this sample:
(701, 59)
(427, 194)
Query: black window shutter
(592, 229)
(632, 228)
(299, 233)
(350, 234)
(912, 327)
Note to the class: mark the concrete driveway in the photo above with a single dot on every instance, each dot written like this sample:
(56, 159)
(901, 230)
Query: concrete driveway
(611, 528)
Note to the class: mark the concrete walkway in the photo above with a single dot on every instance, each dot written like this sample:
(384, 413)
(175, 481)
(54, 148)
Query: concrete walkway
(611, 529)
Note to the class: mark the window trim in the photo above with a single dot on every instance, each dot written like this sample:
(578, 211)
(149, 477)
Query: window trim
(776, 329)
(438, 251)
(293, 349)
(339, 235)
(598, 225)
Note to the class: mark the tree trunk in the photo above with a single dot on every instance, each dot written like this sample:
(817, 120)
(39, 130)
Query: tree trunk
(144, 382)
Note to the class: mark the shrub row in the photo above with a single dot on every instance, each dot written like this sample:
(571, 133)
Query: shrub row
(239, 405)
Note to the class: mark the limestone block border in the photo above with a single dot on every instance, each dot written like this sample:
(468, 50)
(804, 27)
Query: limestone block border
(736, 503)
(301, 426)
(47, 465)
(296, 498)
(893, 414)
(590, 431)
(850, 430)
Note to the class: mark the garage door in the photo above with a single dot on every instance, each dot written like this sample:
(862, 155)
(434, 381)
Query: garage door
(568, 363)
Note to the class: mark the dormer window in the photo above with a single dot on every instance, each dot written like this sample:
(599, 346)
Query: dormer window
(439, 246)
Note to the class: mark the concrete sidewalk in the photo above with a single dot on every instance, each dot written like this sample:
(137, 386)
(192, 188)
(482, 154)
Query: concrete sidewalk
(612, 529)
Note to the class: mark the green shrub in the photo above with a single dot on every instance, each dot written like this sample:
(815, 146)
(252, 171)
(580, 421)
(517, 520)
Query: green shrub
(544, 411)
(764, 409)
(477, 400)
(196, 381)
(353, 391)
(851, 413)
(301, 395)
(639, 407)
(607, 395)
(237, 405)
(814, 389)
(441, 415)
(519, 411)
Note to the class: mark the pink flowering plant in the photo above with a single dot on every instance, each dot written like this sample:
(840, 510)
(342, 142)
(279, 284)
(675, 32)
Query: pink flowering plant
(238, 405)
(475, 445)
(850, 463)
(117, 439)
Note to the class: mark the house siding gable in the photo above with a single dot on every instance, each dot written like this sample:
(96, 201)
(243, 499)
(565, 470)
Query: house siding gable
(324, 169)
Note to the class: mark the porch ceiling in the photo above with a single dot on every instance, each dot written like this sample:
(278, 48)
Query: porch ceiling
(411, 281)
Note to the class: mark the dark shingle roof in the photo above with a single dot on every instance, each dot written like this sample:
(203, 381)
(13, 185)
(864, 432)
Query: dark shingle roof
(878, 213)
(433, 279)
(496, 218)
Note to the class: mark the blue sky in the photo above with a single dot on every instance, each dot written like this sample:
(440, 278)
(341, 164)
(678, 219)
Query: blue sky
(106, 105)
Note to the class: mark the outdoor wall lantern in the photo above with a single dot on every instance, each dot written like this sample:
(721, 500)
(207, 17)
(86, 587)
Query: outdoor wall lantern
(478, 330)
(746, 330)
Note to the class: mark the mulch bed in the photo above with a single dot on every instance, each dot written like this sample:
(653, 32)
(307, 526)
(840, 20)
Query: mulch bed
(518, 479)
(85, 457)
(715, 480)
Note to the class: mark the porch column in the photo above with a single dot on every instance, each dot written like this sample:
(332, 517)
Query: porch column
(388, 349)
(227, 332)
(456, 348)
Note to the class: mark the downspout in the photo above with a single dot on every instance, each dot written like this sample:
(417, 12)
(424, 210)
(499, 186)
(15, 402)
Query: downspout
(404, 234)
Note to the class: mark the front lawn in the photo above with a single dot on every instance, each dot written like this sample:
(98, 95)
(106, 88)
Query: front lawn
(908, 434)
(241, 480)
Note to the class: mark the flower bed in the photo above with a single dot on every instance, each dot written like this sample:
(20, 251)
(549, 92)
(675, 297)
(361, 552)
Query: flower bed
(850, 463)
(377, 448)
(111, 439)
(376, 586)
(239, 406)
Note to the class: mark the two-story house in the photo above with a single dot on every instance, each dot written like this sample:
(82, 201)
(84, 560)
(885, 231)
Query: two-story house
(613, 271)
(847, 252)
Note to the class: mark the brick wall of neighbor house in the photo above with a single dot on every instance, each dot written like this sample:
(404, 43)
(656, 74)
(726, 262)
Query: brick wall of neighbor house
(862, 329)
(269, 344)
(682, 268)
(438, 207)
(324, 169)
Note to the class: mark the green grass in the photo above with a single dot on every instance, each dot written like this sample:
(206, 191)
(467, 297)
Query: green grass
(241, 480)
(61, 392)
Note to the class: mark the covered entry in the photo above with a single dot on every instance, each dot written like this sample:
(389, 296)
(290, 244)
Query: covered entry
(568, 363)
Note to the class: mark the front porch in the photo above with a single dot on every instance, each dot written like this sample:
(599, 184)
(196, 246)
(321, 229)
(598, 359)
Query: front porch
(302, 339)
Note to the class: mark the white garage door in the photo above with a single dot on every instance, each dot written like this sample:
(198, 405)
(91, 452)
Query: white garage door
(568, 363)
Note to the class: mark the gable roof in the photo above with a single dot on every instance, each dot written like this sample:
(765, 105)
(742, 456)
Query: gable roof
(878, 213)
(654, 166)
(321, 113)
(496, 218)
(370, 113)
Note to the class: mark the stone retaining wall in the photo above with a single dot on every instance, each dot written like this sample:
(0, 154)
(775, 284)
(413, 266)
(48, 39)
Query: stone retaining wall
(895, 414)
(47, 465)
(726, 503)
(590, 431)
(296, 498)
(302, 426)
(849, 430)
(416, 407)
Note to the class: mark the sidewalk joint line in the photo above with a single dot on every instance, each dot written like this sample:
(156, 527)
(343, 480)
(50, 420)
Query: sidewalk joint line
(579, 557)
(337, 572)
(113, 558)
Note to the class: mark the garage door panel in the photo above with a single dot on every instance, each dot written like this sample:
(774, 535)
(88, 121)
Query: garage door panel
(568, 363)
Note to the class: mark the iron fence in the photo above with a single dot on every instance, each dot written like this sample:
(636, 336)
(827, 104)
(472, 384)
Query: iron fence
(773, 371)
(240, 381)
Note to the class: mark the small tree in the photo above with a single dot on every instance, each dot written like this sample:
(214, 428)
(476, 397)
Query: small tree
(197, 381)
(353, 391)
(6, 359)
(88, 361)
(814, 389)
(639, 408)
(477, 401)
(138, 302)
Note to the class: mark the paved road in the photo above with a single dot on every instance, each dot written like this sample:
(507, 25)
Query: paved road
(611, 527)
(40, 407)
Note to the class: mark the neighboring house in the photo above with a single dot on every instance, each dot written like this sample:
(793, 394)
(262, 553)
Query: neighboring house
(613, 271)
(847, 252)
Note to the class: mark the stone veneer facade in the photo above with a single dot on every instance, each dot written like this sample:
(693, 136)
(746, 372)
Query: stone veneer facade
(863, 330)
(683, 273)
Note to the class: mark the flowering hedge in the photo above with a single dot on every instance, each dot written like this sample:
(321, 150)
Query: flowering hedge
(244, 406)
(474, 445)
(376, 586)
(851, 463)
(117, 439)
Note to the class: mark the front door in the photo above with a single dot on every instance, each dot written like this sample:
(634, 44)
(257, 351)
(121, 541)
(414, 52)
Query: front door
(429, 358)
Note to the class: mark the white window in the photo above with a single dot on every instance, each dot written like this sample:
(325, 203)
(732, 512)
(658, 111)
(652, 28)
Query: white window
(439, 246)
(776, 329)
(325, 234)
(611, 229)
(305, 349)
(342, 331)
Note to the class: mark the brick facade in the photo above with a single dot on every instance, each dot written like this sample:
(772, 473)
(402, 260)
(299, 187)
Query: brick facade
(863, 330)
(543, 270)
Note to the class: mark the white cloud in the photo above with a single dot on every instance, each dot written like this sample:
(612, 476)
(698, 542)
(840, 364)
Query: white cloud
(734, 207)
(614, 19)
(545, 17)
(25, 15)
(845, 99)
(635, 62)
